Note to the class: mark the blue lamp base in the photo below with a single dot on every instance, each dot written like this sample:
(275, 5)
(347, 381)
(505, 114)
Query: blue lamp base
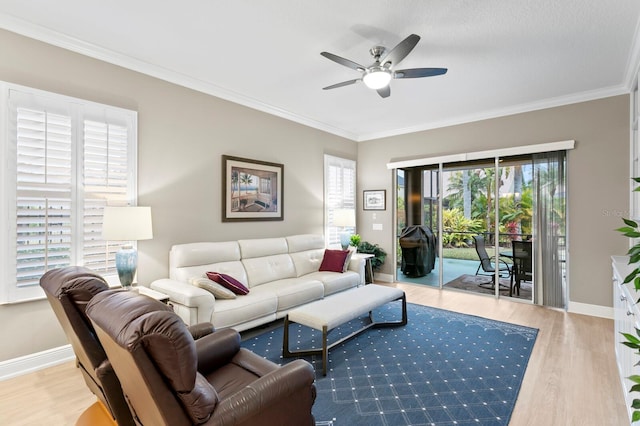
(345, 240)
(126, 265)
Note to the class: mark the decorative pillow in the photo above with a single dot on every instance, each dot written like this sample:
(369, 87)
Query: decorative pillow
(345, 268)
(218, 291)
(228, 282)
(333, 260)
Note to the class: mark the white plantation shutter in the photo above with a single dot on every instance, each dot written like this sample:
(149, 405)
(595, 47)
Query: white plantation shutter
(106, 181)
(65, 160)
(43, 193)
(340, 193)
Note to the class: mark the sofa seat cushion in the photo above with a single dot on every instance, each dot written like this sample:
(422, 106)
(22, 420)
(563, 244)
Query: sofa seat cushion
(294, 292)
(229, 313)
(335, 282)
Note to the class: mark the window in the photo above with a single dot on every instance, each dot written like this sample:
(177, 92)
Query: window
(66, 160)
(339, 194)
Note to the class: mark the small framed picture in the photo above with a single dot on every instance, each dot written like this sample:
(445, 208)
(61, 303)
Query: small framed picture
(374, 200)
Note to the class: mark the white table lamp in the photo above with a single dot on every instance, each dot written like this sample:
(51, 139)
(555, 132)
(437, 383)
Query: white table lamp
(344, 218)
(127, 224)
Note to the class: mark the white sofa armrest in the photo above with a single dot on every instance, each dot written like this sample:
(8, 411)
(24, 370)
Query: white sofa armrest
(357, 264)
(193, 304)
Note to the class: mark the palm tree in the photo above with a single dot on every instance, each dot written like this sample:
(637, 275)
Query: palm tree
(234, 182)
(245, 178)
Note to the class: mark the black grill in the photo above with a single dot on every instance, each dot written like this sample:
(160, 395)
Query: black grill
(418, 246)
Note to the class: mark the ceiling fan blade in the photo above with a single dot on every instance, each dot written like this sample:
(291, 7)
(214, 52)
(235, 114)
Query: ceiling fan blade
(401, 51)
(342, 61)
(419, 72)
(384, 92)
(344, 83)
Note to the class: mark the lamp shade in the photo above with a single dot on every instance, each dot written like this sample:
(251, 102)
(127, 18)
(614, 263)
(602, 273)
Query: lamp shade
(344, 217)
(127, 224)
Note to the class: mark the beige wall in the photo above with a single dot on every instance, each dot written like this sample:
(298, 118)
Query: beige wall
(598, 178)
(182, 136)
(183, 133)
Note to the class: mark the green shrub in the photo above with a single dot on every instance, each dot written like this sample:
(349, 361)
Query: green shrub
(457, 229)
(379, 255)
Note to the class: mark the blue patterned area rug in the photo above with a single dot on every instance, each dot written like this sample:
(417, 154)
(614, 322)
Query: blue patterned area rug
(442, 368)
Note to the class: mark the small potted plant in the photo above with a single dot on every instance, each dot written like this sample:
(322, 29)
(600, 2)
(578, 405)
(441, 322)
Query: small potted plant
(379, 255)
(355, 240)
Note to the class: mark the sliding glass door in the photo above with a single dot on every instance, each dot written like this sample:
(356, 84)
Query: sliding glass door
(497, 223)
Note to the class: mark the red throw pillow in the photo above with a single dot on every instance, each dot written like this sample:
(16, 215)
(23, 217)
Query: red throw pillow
(333, 260)
(228, 282)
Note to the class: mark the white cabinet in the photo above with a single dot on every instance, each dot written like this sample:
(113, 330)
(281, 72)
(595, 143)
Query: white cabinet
(627, 319)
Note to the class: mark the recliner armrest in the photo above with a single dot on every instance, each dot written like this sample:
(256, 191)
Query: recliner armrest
(217, 349)
(200, 330)
(286, 393)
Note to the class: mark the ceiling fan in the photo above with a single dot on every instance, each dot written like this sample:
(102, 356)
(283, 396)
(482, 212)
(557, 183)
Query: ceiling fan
(378, 75)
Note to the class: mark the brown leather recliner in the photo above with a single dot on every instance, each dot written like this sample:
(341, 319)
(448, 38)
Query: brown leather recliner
(69, 290)
(170, 379)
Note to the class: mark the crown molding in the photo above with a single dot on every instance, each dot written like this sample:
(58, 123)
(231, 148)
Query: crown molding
(76, 45)
(502, 112)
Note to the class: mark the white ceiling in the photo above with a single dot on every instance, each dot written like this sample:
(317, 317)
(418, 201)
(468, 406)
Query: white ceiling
(503, 56)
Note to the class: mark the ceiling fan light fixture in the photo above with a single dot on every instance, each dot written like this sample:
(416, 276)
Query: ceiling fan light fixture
(377, 78)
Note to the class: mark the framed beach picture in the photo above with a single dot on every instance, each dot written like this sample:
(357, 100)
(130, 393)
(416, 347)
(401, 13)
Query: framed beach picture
(374, 200)
(252, 190)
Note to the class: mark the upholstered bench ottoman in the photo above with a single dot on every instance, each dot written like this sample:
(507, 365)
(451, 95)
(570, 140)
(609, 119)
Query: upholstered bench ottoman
(327, 314)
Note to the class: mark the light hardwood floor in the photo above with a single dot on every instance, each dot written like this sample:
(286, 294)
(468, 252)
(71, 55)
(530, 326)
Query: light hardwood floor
(571, 379)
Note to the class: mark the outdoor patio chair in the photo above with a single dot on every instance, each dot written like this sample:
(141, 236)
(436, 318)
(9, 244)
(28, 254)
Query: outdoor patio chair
(487, 266)
(522, 269)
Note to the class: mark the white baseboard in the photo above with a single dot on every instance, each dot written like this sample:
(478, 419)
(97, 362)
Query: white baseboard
(34, 362)
(385, 278)
(592, 310)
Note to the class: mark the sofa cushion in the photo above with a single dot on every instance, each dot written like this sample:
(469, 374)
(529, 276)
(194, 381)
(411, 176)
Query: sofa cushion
(334, 260)
(193, 254)
(307, 261)
(305, 242)
(334, 283)
(227, 281)
(265, 269)
(255, 305)
(234, 268)
(262, 247)
(218, 291)
(294, 292)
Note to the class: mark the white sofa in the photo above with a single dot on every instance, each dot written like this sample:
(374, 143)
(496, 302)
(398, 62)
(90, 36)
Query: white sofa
(281, 273)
